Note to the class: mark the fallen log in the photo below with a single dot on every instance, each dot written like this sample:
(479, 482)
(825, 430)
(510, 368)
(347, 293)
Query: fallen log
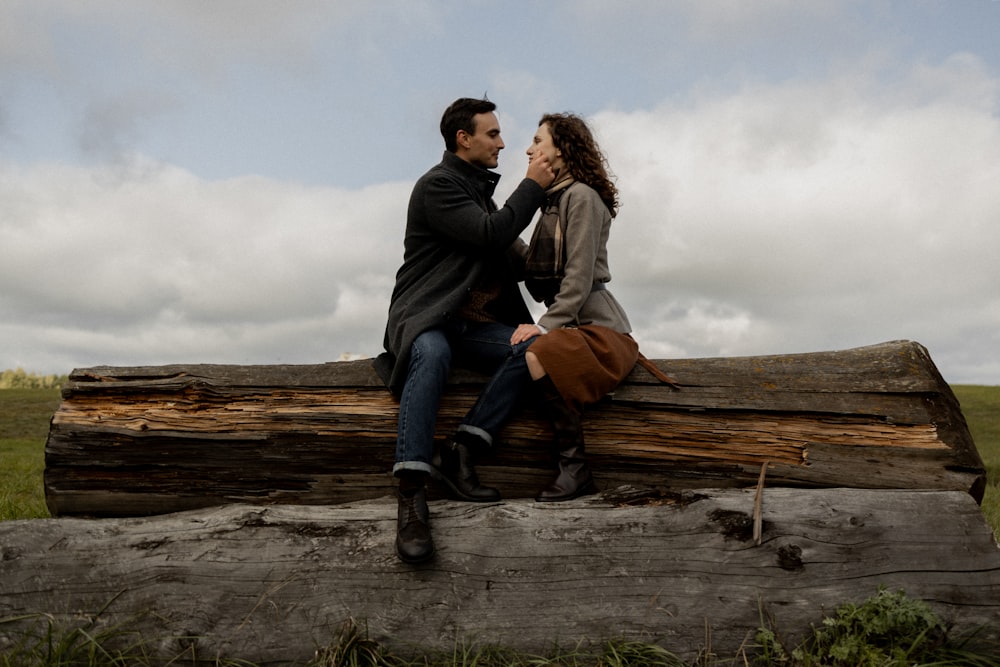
(147, 440)
(271, 584)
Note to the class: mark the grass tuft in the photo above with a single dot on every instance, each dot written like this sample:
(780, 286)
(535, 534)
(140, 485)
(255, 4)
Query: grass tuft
(353, 648)
(886, 630)
(42, 642)
(621, 653)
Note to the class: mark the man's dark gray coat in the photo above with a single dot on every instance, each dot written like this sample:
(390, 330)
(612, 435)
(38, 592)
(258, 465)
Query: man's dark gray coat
(454, 233)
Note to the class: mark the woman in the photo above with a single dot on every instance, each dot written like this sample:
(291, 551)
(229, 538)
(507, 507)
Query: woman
(583, 349)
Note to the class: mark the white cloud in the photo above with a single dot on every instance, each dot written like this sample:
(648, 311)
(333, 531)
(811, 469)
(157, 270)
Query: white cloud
(149, 262)
(796, 176)
(780, 218)
(810, 216)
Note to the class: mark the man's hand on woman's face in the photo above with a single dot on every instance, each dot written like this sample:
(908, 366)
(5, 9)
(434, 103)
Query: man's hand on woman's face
(540, 170)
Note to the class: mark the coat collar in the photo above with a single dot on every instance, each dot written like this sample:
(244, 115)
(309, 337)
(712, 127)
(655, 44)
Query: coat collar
(484, 176)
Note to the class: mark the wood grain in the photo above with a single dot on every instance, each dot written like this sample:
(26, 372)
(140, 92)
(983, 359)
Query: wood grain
(136, 441)
(270, 584)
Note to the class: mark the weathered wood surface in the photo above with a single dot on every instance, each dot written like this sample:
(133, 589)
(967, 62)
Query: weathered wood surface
(272, 584)
(137, 441)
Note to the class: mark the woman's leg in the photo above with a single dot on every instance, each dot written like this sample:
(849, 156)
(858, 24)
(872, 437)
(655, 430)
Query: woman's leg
(535, 368)
(573, 478)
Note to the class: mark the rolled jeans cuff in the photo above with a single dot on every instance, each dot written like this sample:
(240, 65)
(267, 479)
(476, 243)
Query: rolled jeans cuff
(412, 465)
(475, 432)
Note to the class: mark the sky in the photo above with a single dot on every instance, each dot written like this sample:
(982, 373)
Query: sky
(226, 182)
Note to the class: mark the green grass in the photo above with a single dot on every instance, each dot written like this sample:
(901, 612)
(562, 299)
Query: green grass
(981, 407)
(24, 426)
(887, 630)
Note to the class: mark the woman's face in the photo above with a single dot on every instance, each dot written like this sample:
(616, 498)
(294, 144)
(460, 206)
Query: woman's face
(542, 144)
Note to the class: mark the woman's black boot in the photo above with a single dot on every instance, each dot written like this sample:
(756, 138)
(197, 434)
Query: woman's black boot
(574, 478)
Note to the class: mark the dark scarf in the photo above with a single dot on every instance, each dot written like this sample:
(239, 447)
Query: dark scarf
(546, 263)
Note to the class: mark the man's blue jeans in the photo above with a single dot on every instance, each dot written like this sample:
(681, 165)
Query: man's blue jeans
(482, 347)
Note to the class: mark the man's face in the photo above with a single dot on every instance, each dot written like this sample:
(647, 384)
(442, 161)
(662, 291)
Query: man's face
(482, 148)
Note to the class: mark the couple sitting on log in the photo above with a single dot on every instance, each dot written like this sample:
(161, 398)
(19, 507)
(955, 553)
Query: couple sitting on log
(456, 301)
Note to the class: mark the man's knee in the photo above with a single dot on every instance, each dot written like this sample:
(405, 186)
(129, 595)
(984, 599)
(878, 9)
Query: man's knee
(430, 352)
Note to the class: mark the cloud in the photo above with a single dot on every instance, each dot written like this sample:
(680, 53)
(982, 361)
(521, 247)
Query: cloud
(23, 38)
(812, 216)
(780, 218)
(147, 263)
(221, 89)
(110, 127)
(831, 188)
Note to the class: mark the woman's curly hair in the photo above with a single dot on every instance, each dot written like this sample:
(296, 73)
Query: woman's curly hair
(586, 162)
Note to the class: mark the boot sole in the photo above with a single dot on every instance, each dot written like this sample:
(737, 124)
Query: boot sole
(588, 490)
(411, 560)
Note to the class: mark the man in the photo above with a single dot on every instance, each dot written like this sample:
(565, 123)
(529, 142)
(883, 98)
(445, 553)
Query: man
(456, 300)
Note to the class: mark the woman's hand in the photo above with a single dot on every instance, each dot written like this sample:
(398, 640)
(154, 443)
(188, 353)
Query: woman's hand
(524, 332)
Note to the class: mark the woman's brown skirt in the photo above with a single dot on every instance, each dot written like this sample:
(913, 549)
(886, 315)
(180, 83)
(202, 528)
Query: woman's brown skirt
(586, 363)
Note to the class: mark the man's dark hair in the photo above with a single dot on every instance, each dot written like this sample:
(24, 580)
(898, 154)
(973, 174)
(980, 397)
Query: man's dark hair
(459, 116)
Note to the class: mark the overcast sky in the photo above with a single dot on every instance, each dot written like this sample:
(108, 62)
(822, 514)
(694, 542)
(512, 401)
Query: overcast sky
(226, 181)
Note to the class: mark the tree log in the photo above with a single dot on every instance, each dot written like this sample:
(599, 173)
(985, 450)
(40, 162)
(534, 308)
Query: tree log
(271, 584)
(141, 441)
